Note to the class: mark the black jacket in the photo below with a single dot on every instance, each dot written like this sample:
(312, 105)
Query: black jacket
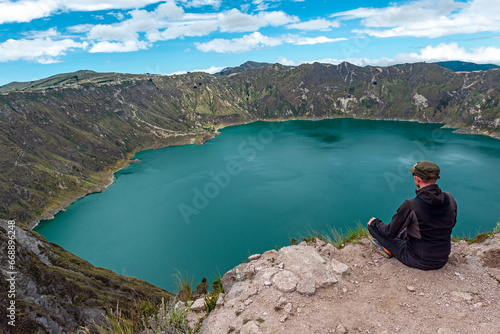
(428, 219)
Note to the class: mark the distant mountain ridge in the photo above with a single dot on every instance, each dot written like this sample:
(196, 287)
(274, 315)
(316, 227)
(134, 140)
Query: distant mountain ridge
(62, 136)
(83, 76)
(456, 66)
(462, 66)
(238, 69)
(63, 79)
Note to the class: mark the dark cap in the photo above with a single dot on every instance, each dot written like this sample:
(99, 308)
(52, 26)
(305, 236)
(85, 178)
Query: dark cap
(426, 170)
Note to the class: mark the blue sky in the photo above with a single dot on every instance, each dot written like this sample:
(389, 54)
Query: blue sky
(39, 38)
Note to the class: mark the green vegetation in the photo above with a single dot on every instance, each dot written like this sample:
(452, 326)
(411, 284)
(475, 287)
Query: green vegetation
(184, 284)
(479, 237)
(171, 318)
(202, 288)
(211, 301)
(116, 323)
(217, 285)
(338, 238)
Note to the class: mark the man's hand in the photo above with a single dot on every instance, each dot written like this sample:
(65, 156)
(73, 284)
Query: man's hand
(372, 219)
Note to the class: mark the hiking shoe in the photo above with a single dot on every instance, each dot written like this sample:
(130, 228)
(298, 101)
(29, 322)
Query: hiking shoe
(380, 249)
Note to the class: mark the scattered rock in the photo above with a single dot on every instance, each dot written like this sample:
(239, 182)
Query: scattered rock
(254, 257)
(457, 296)
(198, 305)
(411, 288)
(308, 264)
(288, 308)
(250, 327)
(285, 281)
(341, 329)
(307, 287)
(220, 300)
(180, 305)
(282, 301)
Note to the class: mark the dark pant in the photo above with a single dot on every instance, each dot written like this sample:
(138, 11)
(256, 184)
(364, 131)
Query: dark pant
(397, 247)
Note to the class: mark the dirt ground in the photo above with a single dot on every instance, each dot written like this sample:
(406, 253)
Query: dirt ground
(373, 295)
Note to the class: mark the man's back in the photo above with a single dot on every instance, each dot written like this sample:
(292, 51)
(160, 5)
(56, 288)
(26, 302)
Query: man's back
(429, 235)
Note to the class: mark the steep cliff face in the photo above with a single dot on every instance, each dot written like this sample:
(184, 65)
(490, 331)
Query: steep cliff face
(60, 137)
(47, 289)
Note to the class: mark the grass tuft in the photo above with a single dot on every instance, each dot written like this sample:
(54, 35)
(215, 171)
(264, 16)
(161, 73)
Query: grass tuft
(171, 318)
(211, 301)
(184, 285)
(479, 237)
(116, 323)
(339, 238)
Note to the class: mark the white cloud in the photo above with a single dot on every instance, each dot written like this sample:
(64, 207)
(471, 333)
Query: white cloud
(126, 46)
(27, 10)
(236, 21)
(257, 41)
(401, 14)
(286, 62)
(184, 30)
(314, 40)
(169, 21)
(118, 15)
(211, 70)
(170, 10)
(117, 32)
(427, 18)
(452, 51)
(201, 3)
(41, 50)
(429, 54)
(238, 45)
(52, 32)
(80, 28)
(319, 24)
(92, 5)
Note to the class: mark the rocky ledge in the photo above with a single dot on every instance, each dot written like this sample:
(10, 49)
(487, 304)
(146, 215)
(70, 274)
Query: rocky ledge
(316, 288)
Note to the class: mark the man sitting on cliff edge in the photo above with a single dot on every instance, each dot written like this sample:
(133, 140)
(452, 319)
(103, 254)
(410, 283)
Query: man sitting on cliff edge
(419, 234)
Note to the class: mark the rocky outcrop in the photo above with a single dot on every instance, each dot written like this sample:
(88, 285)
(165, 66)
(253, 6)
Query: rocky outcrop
(294, 268)
(45, 289)
(316, 288)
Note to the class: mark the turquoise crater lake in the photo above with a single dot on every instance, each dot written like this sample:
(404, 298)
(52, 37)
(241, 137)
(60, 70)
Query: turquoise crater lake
(204, 209)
